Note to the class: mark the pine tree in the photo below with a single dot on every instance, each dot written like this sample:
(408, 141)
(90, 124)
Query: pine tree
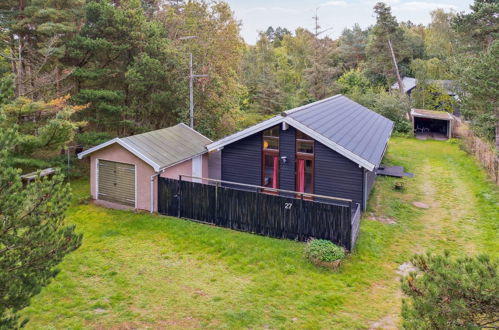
(33, 236)
(110, 39)
(476, 66)
(217, 52)
(479, 84)
(321, 73)
(43, 127)
(479, 28)
(277, 35)
(36, 34)
(447, 293)
(352, 46)
(260, 76)
(386, 46)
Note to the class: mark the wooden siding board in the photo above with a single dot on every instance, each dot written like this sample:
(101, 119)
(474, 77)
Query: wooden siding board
(242, 160)
(287, 148)
(336, 175)
(215, 165)
(371, 177)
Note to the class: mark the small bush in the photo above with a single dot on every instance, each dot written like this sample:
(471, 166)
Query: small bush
(323, 251)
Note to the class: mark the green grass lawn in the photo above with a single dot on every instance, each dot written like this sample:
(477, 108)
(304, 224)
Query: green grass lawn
(136, 270)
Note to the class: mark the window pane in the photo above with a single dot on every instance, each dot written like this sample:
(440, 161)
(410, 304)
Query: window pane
(271, 143)
(274, 131)
(270, 175)
(301, 136)
(308, 176)
(305, 147)
(304, 175)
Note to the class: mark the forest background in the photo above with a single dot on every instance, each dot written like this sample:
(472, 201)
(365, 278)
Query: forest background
(76, 73)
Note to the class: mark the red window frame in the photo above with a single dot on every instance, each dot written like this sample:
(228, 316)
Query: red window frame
(272, 133)
(301, 137)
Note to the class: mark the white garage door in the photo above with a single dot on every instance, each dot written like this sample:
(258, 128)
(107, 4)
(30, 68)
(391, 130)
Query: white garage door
(116, 182)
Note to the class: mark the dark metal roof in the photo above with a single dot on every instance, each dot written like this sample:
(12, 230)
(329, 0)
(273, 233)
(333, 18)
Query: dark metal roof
(408, 83)
(348, 124)
(339, 123)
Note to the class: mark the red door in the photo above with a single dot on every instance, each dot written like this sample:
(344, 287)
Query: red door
(270, 169)
(304, 174)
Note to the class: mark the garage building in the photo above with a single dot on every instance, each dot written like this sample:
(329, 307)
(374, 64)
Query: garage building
(124, 171)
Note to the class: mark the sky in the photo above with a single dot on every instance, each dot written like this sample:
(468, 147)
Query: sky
(257, 15)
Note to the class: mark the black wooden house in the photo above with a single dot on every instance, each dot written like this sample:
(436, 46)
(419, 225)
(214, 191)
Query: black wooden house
(330, 147)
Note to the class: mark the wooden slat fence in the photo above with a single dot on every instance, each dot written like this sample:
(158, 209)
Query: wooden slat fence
(355, 225)
(255, 212)
(483, 151)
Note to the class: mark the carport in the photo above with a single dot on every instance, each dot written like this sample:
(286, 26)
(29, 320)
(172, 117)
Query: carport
(431, 124)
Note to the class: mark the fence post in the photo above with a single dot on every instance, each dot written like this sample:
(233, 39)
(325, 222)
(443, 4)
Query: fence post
(300, 219)
(216, 202)
(158, 197)
(179, 194)
(351, 212)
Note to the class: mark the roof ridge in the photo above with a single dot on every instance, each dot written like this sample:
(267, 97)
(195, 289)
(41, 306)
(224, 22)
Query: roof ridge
(303, 107)
(134, 135)
(192, 129)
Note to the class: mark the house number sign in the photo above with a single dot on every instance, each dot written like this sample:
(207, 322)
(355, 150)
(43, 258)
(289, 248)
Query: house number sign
(288, 206)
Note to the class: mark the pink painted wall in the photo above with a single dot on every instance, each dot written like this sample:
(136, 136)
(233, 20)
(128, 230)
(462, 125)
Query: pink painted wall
(173, 172)
(117, 153)
(206, 173)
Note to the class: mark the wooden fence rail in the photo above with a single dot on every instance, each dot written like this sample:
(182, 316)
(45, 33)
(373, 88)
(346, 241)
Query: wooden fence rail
(355, 225)
(484, 152)
(260, 213)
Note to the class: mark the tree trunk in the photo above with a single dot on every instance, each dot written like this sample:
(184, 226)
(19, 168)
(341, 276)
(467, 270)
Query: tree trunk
(396, 67)
(14, 66)
(57, 80)
(30, 77)
(20, 69)
(497, 130)
(20, 61)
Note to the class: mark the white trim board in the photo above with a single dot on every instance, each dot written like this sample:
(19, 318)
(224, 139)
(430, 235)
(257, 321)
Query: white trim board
(329, 143)
(97, 178)
(244, 133)
(97, 147)
(136, 153)
(136, 188)
(291, 122)
(261, 126)
(155, 166)
(197, 168)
